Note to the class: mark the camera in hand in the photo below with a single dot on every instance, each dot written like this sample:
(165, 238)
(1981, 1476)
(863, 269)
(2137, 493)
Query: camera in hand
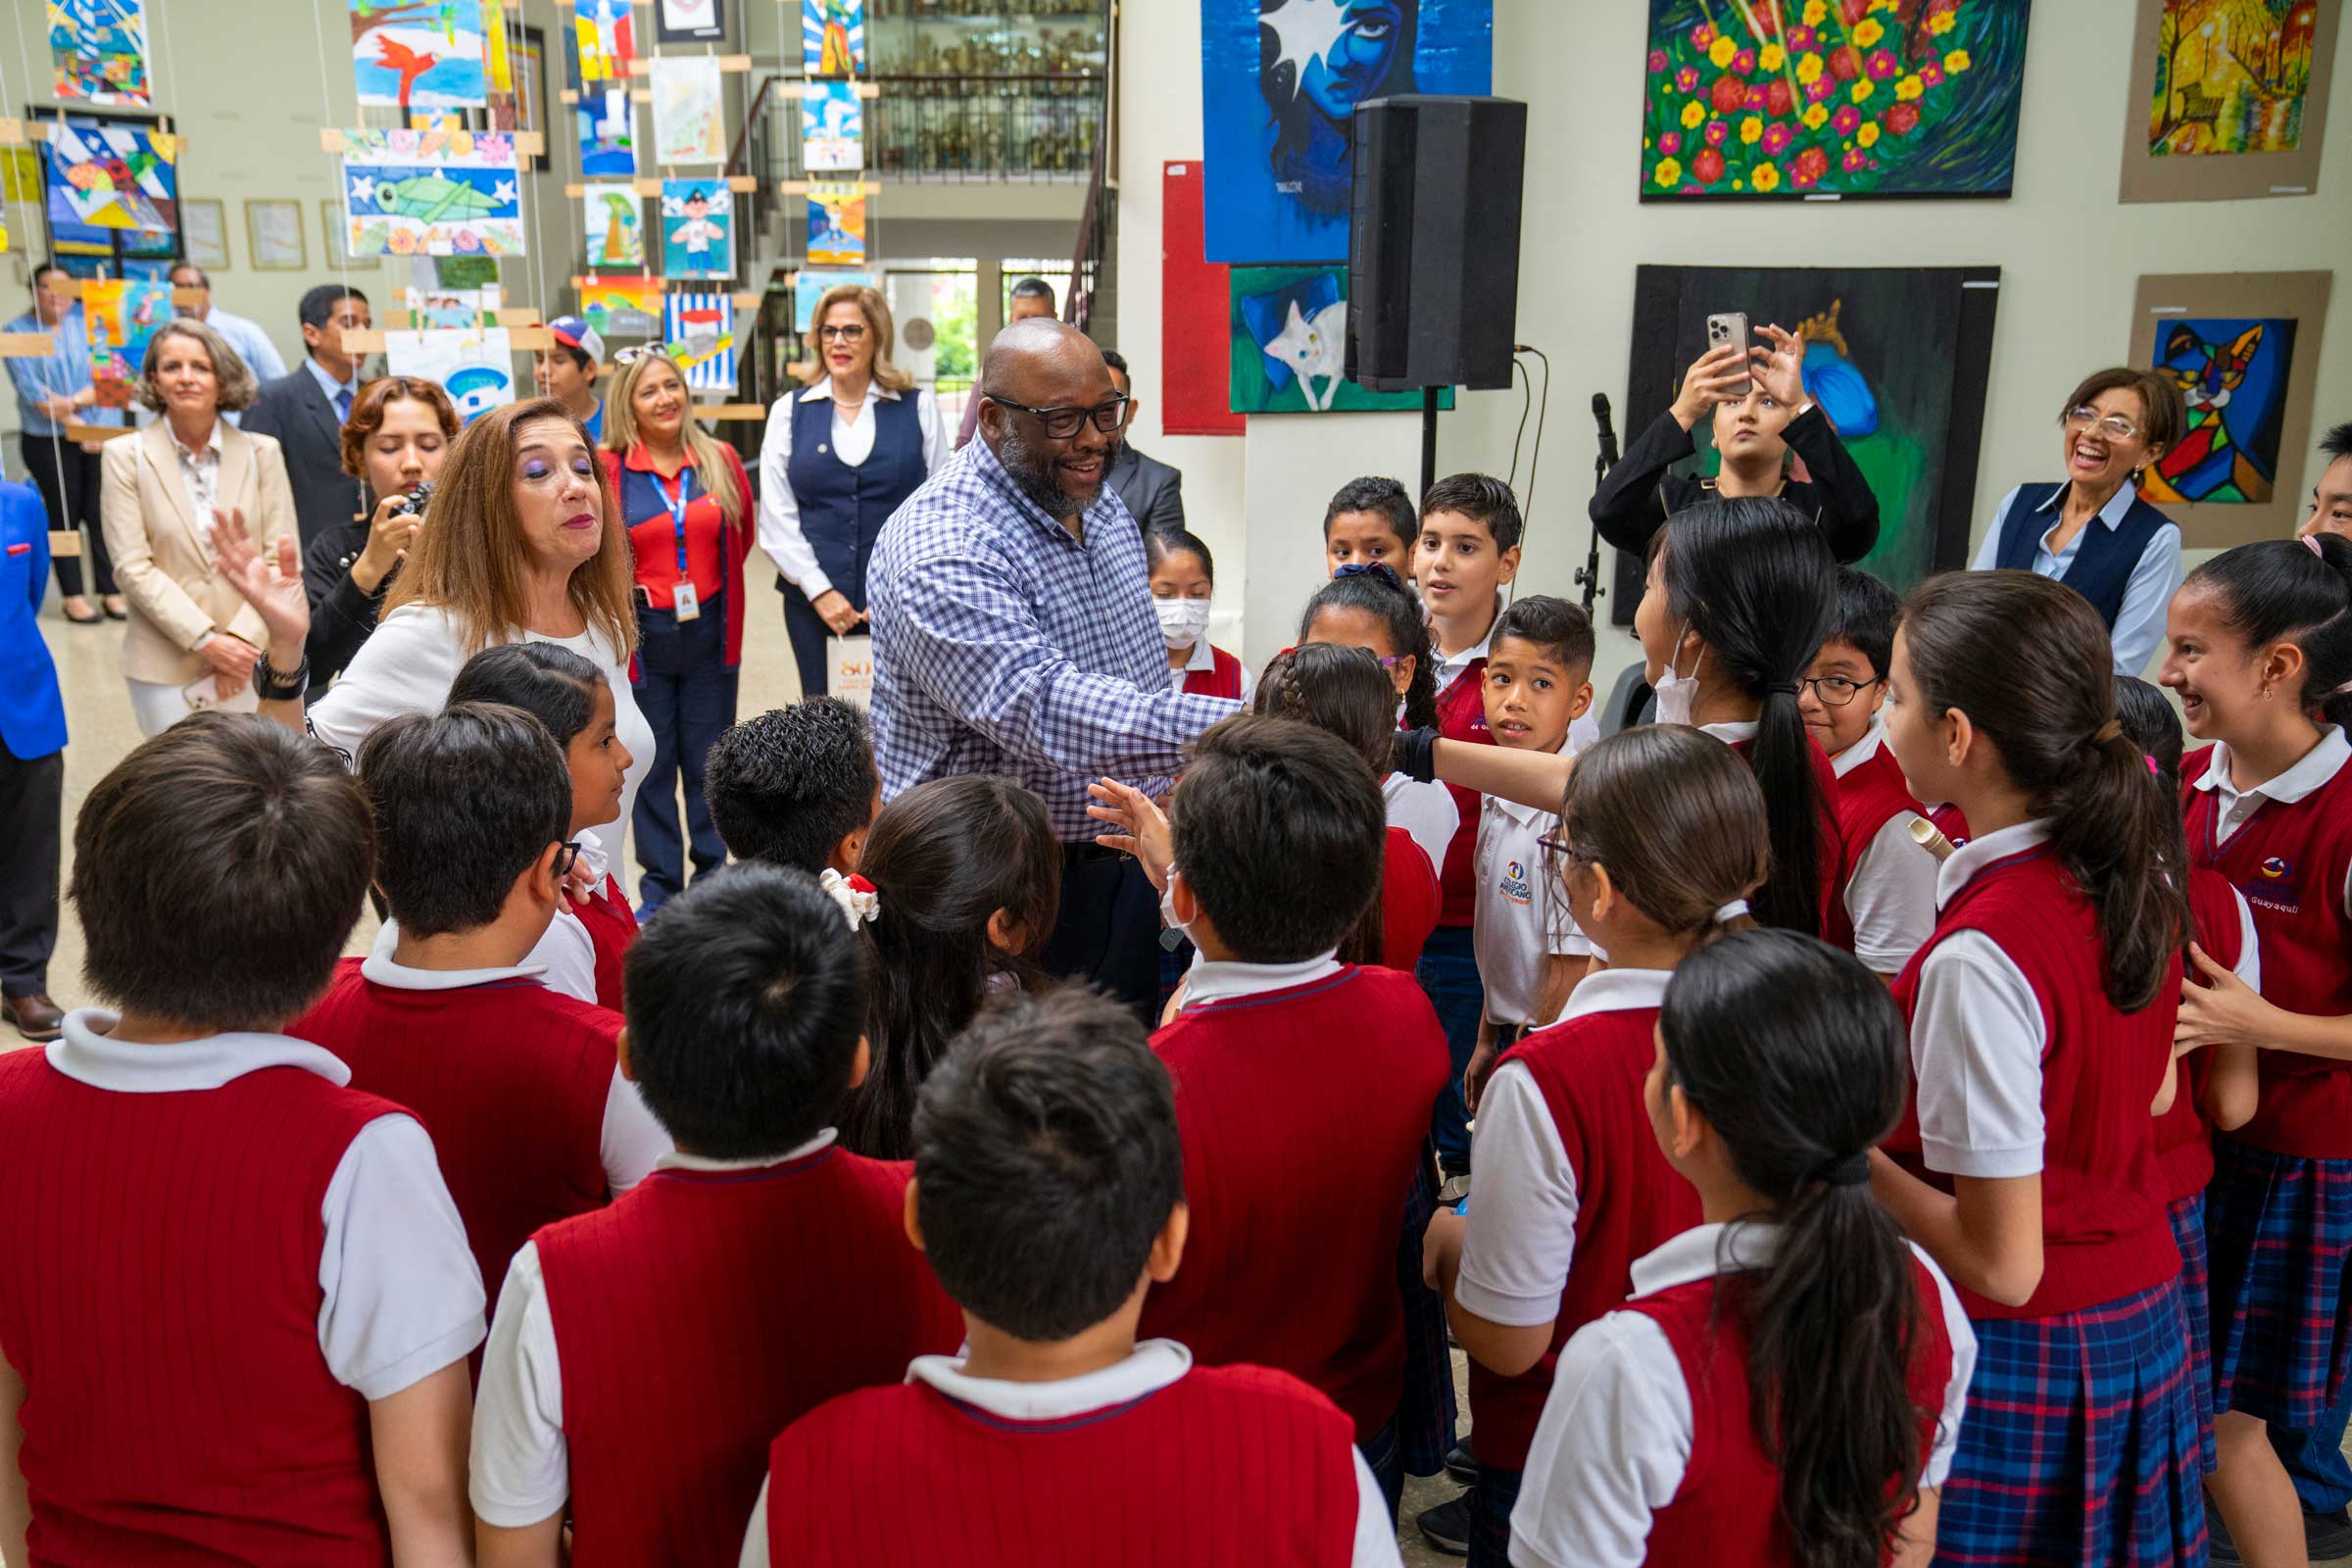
(414, 502)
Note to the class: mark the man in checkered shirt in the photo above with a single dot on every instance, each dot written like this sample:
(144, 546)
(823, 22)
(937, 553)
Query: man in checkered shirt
(1013, 634)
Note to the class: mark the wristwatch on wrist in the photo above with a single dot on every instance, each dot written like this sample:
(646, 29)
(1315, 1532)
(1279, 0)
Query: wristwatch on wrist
(272, 687)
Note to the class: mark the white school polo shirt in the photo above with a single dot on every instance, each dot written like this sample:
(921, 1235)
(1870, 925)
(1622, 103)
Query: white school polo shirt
(1890, 893)
(1522, 912)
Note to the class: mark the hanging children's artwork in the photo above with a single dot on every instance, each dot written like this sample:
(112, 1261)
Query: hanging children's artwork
(700, 333)
(2228, 98)
(1289, 341)
(99, 50)
(431, 193)
(459, 309)
(615, 227)
(112, 188)
(476, 367)
(810, 285)
(832, 37)
(607, 134)
(607, 37)
(119, 318)
(833, 128)
(418, 54)
(689, 125)
(690, 21)
(623, 307)
(697, 228)
(836, 224)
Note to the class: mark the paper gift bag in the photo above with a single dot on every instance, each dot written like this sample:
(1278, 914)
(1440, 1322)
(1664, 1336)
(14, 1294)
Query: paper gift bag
(850, 670)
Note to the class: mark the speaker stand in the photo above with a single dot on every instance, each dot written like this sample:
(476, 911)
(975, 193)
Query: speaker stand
(1429, 438)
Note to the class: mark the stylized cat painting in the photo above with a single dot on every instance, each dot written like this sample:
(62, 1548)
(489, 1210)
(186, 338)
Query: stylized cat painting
(1313, 349)
(2232, 376)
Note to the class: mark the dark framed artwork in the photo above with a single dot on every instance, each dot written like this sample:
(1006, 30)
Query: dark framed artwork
(1896, 357)
(690, 21)
(2228, 98)
(110, 185)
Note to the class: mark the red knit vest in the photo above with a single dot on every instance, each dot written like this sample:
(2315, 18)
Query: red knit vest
(1462, 717)
(1727, 1512)
(1950, 821)
(1871, 793)
(2290, 862)
(801, 1286)
(1302, 1113)
(1829, 853)
(1629, 1201)
(612, 926)
(2183, 1141)
(1408, 900)
(2104, 1234)
(1222, 679)
(1225, 1465)
(159, 1299)
(509, 1078)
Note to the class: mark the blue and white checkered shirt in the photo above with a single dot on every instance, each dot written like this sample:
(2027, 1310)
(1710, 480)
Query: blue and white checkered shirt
(1002, 645)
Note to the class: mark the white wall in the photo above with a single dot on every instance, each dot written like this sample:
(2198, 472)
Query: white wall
(2068, 256)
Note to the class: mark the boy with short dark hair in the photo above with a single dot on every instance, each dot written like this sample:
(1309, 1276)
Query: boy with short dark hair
(796, 786)
(1048, 1191)
(645, 1354)
(1370, 519)
(517, 1083)
(235, 1299)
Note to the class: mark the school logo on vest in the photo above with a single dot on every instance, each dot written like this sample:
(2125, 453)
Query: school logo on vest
(1515, 885)
(2269, 888)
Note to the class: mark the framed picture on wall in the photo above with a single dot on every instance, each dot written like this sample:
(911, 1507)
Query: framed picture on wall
(2244, 349)
(690, 21)
(204, 224)
(525, 109)
(338, 241)
(273, 232)
(2227, 98)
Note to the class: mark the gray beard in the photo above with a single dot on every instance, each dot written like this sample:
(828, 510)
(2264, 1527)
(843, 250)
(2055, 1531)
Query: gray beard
(1033, 473)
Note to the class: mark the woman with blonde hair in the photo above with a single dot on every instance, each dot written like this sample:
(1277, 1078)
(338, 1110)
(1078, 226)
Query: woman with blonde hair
(191, 640)
(686, 503)
(526, 543)
(839, 458)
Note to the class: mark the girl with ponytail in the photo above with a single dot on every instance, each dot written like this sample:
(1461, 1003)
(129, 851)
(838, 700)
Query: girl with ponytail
(1344, 691)
(1661, 841)
(1785, 1385)
(2042, 1012)
(2260, 654)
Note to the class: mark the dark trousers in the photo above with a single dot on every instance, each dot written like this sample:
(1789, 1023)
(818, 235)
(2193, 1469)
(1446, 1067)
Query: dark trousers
(1107, 931)
(808, 633)
(1384, 1456)
(1448, 973)
(32, 822)
(687, 694)
(1492, 1499)
(67, 479)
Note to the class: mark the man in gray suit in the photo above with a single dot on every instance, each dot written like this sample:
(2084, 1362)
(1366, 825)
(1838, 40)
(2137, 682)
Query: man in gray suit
(304, 410)
(1149, 486)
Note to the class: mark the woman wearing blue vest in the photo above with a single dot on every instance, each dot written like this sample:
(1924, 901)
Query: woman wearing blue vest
(838, 458)
(2091, 531)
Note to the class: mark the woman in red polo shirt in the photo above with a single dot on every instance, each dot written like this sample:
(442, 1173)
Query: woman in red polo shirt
(688, 506)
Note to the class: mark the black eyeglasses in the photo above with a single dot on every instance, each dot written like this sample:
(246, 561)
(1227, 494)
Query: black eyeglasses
(568, 855)
(1834, 691)
(851, 333)
(1065, 423)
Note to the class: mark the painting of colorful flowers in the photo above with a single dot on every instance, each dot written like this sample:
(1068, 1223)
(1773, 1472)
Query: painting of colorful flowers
(1790, 99)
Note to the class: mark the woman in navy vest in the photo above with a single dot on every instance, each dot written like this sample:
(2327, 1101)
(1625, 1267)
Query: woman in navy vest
(838, 458)
(2091, 531)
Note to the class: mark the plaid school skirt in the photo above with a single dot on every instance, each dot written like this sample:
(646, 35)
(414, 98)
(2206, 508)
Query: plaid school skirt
(2081, 1443)
(2187, 1217)
(2280, 1228)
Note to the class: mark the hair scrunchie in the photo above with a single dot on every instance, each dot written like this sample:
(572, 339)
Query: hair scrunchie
(861, 901)
(1376, 568)
(1844, 1170)
(1786, 688)
(1730, 911)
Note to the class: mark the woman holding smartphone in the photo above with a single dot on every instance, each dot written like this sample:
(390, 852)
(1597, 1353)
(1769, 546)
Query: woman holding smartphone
(399, 430)
(1761, 414)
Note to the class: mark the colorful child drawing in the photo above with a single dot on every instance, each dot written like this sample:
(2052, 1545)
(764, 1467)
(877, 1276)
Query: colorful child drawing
(700, 332)
(2232, 374)
(99, 51)
(607, 134)
(698, 222)
(832, 37)
(110, 181)
(2231, 76)
(607, 39)
(623, 307)
(119, 318)
(418, 54)
(832, 128)
(836, 224)
(615, 227)
(431, 193)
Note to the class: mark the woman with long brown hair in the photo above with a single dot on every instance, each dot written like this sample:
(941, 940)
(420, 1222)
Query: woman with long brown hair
(526, 545)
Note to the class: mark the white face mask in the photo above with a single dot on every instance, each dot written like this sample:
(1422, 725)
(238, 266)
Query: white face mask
(1168, 900)
(1181, 620)
(1677, 692)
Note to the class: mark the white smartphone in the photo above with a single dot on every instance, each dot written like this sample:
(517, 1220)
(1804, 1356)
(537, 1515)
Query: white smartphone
(1730, 327)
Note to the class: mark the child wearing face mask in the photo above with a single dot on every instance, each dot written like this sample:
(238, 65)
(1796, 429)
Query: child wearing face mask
(1183, 581)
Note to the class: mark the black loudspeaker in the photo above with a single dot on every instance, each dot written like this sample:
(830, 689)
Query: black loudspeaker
(1433, 241)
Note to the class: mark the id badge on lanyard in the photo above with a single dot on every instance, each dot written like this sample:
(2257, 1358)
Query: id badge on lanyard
(684, 602)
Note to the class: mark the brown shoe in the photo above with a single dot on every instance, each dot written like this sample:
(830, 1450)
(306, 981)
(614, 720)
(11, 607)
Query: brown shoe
(37, 1017)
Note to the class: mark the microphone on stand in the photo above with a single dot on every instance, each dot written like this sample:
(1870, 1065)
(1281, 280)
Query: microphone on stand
(1588, 576)
(1608, 435)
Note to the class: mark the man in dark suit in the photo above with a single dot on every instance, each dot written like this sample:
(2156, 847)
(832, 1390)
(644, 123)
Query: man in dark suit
(1149, 486)
(304, 410)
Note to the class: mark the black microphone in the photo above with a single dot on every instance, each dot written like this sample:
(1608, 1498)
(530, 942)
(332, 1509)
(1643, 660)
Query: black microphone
(1608, 433)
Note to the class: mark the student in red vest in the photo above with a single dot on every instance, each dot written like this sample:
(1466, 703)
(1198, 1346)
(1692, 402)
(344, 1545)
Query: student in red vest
(2261, 651)
(797, 786)
(518, 1086)
(1050, 1195)
(1660, 841)
(1889, 903)
(1183, 581)
(1343, 691)
(569, 695)
(645, 1353)
(1370, 519)
(1786, 1384)
(235, 1299)
(2041, 1017)
(1304, 1084)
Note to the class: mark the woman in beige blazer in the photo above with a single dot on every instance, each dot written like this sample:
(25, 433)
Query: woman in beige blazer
(191, 641)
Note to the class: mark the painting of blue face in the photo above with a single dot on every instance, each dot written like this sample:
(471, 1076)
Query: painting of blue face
(1280, 82)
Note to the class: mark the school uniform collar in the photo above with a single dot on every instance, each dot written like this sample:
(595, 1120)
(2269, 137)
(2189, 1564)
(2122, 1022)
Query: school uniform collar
(1225, 981)
(1863, 750)
(1151, 1366)
(2119, 506)
(87, 1053)
(1704, 1252)
(1203, 657)
(1616, 991)
(1731, 731)
(677, 1159)
(1977, 854)
(1524, 814)
(379, 968)
(822, 389)
(2314, 768)
(1449, 668)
